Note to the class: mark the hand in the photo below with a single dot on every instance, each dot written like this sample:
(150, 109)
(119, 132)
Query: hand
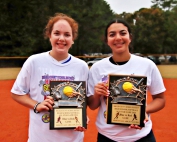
(46, 105)
(79, 128)
(138, 127)
(146, 119)
(101, 89)
(88, 120)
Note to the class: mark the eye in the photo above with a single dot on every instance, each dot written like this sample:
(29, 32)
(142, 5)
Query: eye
(111, 34)
(123, 33)
(56, 33)
(67, 35)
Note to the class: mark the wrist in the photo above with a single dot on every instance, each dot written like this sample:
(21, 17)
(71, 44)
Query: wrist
(97, 96)
(35, 107)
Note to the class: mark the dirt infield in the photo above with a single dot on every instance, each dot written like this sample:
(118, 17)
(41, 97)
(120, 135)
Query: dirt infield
(167, 71)
(14, 117)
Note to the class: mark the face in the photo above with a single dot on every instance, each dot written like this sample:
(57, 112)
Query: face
(118, 38)
(61, 37)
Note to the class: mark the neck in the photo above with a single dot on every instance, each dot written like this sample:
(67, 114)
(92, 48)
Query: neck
(58, 57)
(121, 57)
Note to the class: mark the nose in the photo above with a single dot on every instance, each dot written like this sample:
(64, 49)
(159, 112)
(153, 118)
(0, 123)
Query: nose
(118, 36)
(61, 38)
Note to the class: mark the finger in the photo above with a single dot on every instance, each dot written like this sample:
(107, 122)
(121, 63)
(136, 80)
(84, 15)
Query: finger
(79, 128)
(88, 119)
(101, 86)
(146, 118)
(135, 127)
(49, 101)
(138, 127)
(47, 105)
(102, 92)
(42, 107)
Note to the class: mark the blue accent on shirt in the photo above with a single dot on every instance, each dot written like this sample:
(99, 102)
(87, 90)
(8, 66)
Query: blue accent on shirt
(67, 60)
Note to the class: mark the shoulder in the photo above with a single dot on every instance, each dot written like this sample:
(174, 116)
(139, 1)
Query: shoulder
(100, 63)
(39, 55)
(142, 60)
(78, 61)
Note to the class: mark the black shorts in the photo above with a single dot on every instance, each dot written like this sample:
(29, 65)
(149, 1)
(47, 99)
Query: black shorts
(149, 138)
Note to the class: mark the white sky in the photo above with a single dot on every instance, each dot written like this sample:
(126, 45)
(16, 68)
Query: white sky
(128, 6)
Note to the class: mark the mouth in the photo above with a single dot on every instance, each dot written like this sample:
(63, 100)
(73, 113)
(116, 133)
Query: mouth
(118, 44)
(61, 44)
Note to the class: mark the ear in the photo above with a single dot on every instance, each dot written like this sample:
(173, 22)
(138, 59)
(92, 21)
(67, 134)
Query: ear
(131, 37)
(49, 37)
(73, 42)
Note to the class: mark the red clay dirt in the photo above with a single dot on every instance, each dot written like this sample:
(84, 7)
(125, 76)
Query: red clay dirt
(14, 117)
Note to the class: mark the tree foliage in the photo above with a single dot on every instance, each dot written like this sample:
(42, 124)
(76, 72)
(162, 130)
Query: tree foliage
(149, 31)
(154, 29)
(22, 24)
(164, 4)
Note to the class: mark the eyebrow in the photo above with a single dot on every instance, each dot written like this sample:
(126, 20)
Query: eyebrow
(59, 31)
(119, 31)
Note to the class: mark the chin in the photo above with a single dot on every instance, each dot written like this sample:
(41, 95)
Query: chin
(61, 51)
(120, 51)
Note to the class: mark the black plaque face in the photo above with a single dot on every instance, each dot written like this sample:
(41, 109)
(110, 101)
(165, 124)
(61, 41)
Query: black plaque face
(69, 110)
(127, 100)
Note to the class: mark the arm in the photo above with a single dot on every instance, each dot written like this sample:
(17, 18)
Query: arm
(25, 100)
(156, 84)
(100, 89)
(157, 103)
(93, 102)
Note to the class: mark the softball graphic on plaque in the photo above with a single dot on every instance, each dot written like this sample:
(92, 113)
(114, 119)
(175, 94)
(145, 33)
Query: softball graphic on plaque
(126, 103)
(69, 110)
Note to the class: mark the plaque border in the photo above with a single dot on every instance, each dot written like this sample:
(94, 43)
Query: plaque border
(83, 108)
(114, 77)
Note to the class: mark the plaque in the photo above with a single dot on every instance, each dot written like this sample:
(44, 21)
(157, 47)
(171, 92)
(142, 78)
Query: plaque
(69, 110)
(126, 103)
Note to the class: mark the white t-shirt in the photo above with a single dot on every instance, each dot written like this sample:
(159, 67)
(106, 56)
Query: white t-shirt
(37, 72)
(135, 66)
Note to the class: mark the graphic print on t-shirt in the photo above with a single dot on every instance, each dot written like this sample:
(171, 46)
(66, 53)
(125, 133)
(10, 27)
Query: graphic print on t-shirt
(45, 91)
(45, 81)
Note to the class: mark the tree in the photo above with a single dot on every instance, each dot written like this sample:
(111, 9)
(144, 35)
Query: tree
(170, 43)
(164, 4)
(22, 24)
(149, 30)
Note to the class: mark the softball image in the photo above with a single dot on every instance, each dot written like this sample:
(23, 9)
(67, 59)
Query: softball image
(127, 87)
(68, 91)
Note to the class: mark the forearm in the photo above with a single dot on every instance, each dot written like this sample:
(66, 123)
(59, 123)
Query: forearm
(157, 103)
(24, 100)
(93, 102)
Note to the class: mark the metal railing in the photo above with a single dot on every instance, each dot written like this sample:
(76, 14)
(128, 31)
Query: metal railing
(19, 61)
